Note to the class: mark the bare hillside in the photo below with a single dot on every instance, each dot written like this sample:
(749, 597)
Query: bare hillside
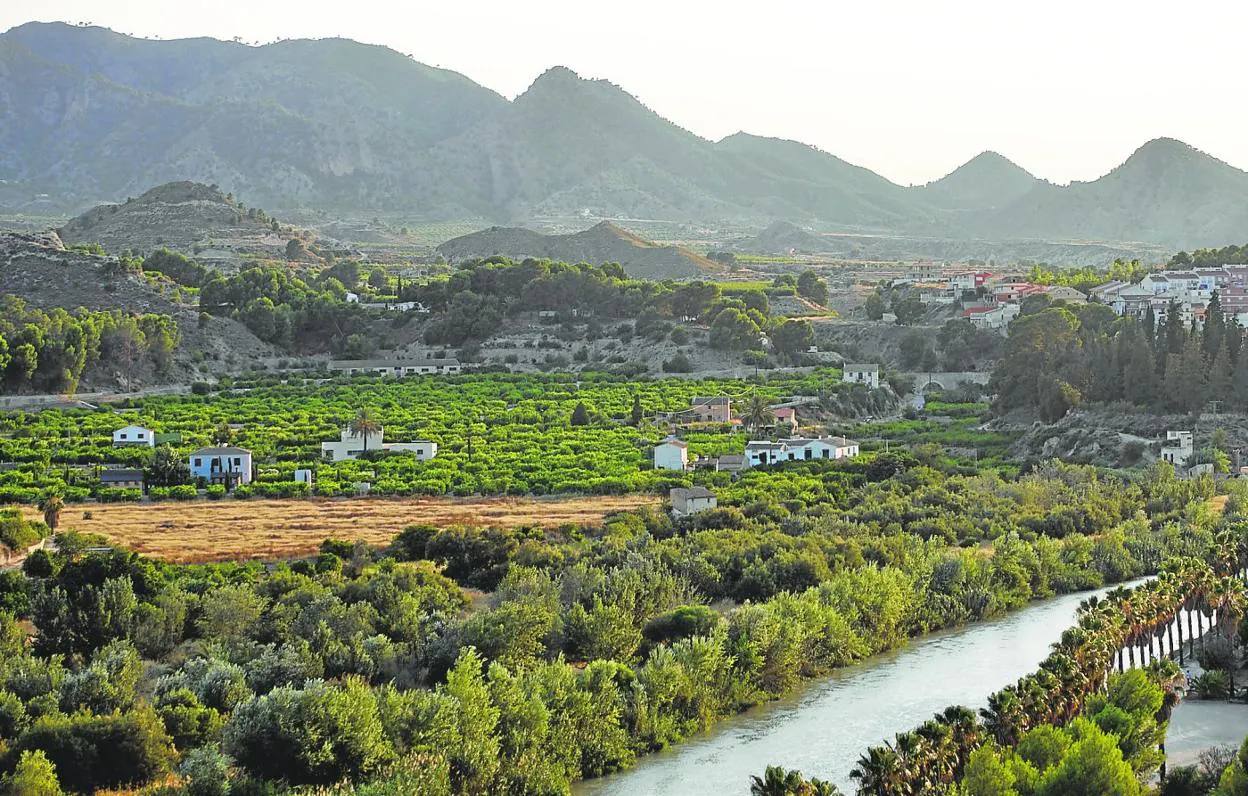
(602, 243)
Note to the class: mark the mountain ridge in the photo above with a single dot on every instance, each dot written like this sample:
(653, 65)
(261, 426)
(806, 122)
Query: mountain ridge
(89, 115)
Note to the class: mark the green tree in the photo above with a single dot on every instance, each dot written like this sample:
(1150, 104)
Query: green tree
(34, 776)
(793, 337)
(1093, 766)
(986, 775)
(580, 415)
(874, 306)
(475, 760)
(811, 286)
(364, 425)
(52, 505)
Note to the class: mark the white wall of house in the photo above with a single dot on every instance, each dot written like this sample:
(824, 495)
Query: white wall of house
(350, 445)
(670, 456)
(219, 463)
(421, 449)
(134, 435)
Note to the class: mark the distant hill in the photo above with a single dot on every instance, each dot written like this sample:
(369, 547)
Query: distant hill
(782, 237)
(88, 116)
(1165, 193)
(187, 217)
(988, 180)
(602, 243)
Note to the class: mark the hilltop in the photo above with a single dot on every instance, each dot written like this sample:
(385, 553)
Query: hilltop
(602, 243)
(187, 217)
(344, 128)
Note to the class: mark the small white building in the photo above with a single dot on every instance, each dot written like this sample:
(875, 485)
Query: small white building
(671, 454)
(304, 476)
(222, 465)
(134, 435)
(350, 445)
(397, 367)
(868, 374)
(687, 502)
(799, 449)
(1178, 448)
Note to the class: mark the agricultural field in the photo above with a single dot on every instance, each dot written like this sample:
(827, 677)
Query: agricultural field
(498, 434)
(263, 529)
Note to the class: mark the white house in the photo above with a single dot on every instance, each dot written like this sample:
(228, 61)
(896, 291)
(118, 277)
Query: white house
(995, 318)
(304, 476)
(687, 502)
(396, 367)
(868, 374)
(671, 454)
(350, 445)
(134, 435)
(222, 465)
(1178, 449)
(798, 449)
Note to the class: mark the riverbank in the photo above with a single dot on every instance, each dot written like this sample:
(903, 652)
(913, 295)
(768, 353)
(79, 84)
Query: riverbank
(826, 725)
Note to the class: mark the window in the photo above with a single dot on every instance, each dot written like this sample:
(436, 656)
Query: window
(238, 462)
(199, 462)
(123, 436)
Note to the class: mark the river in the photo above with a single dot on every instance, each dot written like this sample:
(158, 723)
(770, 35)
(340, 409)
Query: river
(824, 727)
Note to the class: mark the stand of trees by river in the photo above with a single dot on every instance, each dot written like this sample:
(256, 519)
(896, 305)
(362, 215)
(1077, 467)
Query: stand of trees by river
(384, 670)
(1074, 727)
(1059, 357)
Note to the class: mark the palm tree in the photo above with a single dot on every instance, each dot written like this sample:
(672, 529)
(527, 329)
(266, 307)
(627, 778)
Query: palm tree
(52, 505)
(363, 424)
(757, 412)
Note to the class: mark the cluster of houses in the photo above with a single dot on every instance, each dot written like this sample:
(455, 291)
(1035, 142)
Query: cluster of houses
(1188, 291)
(672, 453)
(987, 300)
(231, 465)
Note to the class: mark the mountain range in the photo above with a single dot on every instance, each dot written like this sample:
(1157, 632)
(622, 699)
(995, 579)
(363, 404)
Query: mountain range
(90, 115)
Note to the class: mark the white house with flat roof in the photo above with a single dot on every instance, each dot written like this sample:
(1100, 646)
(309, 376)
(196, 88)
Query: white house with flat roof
(396, 367)
(350, 445)
(134, 435)
(222, 465)
(1178, 448)
(798, 449)
(671, 454)
(862, 373)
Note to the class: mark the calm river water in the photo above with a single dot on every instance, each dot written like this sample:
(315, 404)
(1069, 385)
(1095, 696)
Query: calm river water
(824, 728)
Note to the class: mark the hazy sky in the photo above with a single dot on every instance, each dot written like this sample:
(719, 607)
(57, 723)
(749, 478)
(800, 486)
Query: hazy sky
(909, 88)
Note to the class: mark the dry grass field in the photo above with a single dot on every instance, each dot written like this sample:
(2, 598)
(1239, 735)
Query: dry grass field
(201, 531)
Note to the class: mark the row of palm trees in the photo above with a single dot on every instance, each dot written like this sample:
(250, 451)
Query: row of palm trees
(930, 759)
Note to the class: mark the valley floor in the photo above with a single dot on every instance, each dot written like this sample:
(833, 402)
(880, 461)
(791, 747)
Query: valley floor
(200, 531)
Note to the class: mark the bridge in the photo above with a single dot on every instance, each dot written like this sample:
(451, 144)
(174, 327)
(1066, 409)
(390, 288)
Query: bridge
(936, 381)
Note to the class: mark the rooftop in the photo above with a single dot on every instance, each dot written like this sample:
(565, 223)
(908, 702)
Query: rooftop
(346, 364)
(227, 450)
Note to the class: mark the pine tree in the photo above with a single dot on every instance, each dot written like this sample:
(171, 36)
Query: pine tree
(1192, 375)
(1239, 384)
(1175, 335)
(1150, 326)
(1139, 375)
(1220, 374)
(1215, 328)
(1234, 338)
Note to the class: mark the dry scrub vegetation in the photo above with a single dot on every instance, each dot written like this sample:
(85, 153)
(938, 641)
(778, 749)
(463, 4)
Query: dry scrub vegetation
(200, 531)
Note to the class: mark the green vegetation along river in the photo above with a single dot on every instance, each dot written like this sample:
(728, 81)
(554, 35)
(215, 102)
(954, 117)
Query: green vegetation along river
(823, 729)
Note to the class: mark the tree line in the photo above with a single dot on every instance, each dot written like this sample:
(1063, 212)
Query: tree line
(1062, 356)
(51, 351)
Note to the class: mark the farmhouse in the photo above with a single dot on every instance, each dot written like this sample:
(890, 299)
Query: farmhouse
(868, 374)
(121, 478)
(785, 415)
(222, 465)
(671, 454)
(1178, 448)
(350, 445)
(396, 367)
(730, 463)
(764, 452)
(134, 435)
(687, 502)
(717, 409)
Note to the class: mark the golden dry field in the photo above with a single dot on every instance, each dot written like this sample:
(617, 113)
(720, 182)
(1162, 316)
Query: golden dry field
(199, 531)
